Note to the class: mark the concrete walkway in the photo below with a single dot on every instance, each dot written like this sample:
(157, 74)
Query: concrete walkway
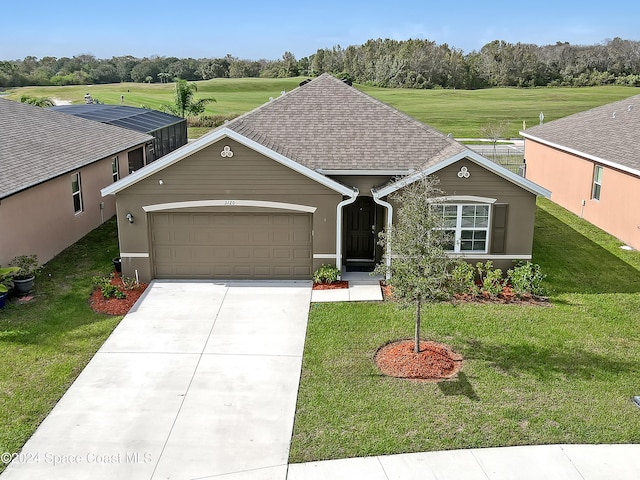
(362, 287)
(199, 381)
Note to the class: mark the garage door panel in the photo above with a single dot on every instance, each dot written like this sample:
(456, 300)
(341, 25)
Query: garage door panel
(232, 245)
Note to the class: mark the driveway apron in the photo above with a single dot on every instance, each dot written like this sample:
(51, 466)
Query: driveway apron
(199, 380)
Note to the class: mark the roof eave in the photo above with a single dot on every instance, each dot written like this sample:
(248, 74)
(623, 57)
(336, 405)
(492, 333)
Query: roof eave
(585, 155)
(475, 157)
(210, 139)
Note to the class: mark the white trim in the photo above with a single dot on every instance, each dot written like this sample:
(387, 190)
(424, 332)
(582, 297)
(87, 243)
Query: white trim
(324, 255)
(210, 139)
(573, 151)
(472, 157)
(366, 172)
(228, 203)
(134, 255)
(463, 198)
(389, 208)
(480, 256)
(339, 207)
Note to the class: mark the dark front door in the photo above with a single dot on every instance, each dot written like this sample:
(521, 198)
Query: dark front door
(360, 230)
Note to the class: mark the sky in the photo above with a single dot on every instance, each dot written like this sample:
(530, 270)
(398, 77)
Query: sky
(264, 29)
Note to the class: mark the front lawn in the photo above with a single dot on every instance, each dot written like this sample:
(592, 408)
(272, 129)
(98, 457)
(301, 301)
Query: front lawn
(45, 344)
(532, 375)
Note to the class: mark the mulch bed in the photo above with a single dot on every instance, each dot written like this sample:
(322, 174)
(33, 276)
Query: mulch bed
(507, 296)
(116, 306)
(433, 363)
(331, 286)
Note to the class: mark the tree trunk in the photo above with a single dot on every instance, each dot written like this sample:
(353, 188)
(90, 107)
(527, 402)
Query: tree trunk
(416, 347)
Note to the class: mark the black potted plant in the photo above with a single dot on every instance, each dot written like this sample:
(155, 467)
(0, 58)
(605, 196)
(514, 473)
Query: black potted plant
(28, 268)
(6, 282)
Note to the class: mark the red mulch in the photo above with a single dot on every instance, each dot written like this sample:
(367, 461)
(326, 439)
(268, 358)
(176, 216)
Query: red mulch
(331, 286)
(116, 306)
(507, 296)
(434, 362)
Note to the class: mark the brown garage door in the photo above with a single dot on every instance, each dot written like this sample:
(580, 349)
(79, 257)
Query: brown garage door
(232, 245)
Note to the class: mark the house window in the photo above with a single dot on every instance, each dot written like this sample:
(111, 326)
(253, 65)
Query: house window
(597, 182)
(115, 169)
(76, 190)
(468, 226)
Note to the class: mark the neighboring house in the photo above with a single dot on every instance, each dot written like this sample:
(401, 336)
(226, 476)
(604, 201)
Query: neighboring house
(52, 168)
(168, 131)
(304, 180)
(591, 163)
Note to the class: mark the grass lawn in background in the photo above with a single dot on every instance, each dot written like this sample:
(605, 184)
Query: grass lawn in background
(459, 112)
(45, 344)
(531, 375)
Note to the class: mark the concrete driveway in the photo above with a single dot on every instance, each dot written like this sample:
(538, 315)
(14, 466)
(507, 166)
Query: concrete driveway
(200, 380)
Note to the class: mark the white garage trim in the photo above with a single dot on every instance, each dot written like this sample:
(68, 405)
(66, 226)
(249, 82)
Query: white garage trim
(134, 255)
(324, 255)
(159, 207)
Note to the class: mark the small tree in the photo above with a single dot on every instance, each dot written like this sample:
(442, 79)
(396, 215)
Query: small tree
(185, 103)
(494, 132)
(419, 267)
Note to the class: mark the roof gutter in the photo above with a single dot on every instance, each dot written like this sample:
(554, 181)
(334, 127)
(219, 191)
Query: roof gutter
(573, 151)
(389, 207)
(351, 198)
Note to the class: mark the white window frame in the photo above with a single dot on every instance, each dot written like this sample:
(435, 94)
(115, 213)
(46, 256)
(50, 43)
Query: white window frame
(458, 229)
(115, 168)
(596, 188)
(76, 195)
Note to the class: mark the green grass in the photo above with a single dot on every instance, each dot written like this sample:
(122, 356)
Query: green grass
(531, 375)
(47, 342)
(460, 112)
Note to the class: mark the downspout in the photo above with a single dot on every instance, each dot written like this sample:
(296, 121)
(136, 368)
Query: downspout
(389, 208)
(347, 201)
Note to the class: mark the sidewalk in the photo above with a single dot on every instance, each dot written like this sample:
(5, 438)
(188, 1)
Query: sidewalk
(363, 287)
(549, 462)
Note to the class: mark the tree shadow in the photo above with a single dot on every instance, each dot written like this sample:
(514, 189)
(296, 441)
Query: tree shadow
(459, 385)
(546, 363)
(576, 264)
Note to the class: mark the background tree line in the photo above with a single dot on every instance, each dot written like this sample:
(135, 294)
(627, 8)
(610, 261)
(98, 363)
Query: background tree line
(385, 63)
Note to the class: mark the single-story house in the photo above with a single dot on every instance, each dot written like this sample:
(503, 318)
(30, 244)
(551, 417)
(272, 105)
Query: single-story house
(304, 180)
(53, 167)
(169, 132)
(591, 163)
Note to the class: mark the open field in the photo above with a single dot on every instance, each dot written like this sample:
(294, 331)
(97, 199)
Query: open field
(531, 375)
(460, 112)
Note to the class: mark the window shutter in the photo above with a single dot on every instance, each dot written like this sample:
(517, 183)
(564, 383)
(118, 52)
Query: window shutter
(499, 228)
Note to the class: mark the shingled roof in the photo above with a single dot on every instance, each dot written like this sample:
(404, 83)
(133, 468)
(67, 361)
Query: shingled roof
(39, 144)
(607, 134)
(329, 125)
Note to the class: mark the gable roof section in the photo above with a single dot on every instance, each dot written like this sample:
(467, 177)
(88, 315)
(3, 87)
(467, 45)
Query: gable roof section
(606, 134)
(329, 125)
(474, 157)
(39, 144)
(210, 139)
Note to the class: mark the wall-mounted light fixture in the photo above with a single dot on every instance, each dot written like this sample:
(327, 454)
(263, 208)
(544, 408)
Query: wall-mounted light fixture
(130, 217)
(161, 182)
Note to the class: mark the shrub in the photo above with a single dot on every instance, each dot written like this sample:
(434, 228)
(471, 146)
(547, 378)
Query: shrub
(526, 278)
(326, 274)
(107, 289)
(463, 279)
(490, 278)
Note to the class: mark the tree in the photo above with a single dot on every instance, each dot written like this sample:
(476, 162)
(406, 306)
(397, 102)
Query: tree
(494, 132)
(185, 103)
(415, 257)
(37, 101)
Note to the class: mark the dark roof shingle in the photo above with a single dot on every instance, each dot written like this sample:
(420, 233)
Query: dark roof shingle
(609, 133)
(329, 125)
(39, 144)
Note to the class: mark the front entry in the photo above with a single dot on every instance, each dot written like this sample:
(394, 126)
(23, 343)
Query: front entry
(360, 234)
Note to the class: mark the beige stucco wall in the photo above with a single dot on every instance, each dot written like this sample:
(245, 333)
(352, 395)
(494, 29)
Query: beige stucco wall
(41, 220)
(206, 175)
(570, 179)
(520, 211)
